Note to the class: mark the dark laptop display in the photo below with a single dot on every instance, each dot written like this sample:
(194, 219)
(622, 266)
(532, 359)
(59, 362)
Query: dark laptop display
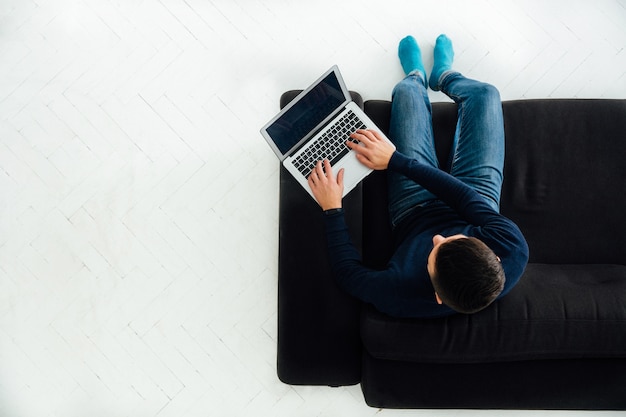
(303, 117)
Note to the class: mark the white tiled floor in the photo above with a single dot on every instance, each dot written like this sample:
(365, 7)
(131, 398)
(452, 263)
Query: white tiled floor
(137, 276)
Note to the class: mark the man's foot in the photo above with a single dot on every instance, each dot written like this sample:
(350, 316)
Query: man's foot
(411, 56)
(444, 56)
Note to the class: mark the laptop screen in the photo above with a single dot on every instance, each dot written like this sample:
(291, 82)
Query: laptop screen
(311, 110)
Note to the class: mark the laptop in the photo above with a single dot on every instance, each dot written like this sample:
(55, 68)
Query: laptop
(316, 125)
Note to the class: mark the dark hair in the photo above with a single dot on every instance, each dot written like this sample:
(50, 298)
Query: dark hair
(468, 275)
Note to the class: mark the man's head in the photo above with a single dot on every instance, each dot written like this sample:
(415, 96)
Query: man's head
(466, 274)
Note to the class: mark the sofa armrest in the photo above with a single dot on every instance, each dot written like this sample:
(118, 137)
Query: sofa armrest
(318, 323)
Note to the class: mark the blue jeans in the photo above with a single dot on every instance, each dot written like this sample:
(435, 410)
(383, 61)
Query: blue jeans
(477, 154)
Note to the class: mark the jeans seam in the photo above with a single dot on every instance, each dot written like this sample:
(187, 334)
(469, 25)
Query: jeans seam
(459, 102)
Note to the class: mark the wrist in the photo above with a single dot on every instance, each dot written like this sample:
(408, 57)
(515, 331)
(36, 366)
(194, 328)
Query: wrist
(331, 205)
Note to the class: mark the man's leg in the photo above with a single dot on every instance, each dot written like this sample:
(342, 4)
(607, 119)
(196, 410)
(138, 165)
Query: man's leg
(411, 131)
(477, 156)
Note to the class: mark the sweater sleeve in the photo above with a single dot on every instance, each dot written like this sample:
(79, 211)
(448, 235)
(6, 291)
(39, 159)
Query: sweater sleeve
(375, 287)
(462, 198)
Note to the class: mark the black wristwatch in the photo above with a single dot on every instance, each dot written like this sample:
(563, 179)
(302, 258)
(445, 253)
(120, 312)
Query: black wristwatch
(330, 212)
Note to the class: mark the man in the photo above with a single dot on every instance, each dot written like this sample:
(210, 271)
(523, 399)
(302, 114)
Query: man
(454, 252)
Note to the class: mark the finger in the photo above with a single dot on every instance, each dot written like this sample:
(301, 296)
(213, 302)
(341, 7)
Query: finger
(340, 177)
(364, 160)
(314, 176)
(328, 169)
(376, 134)
(319, 170)
(360, 136)
(368, 133)
(358, 149)
(314, 170)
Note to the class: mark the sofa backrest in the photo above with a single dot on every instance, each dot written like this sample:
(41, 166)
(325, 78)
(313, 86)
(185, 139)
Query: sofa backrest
(565, 177)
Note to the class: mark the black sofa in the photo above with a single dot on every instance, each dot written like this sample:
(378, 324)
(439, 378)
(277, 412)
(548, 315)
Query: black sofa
(557, 341)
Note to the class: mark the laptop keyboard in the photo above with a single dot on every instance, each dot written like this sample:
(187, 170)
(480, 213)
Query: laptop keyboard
(331, 145)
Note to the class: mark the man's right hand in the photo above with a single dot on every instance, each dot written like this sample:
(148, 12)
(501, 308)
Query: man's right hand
(327, 189)
(374, 150)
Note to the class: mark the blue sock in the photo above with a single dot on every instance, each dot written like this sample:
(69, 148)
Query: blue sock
(411, 56)
(444, 56)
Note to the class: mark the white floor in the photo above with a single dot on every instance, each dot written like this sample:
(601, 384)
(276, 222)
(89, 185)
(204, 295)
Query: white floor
(138, 203)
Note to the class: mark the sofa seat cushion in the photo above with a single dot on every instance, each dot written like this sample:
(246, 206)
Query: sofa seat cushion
(555, 312)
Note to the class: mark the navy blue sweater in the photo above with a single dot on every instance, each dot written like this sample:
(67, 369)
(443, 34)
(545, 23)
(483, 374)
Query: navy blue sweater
(404, 288)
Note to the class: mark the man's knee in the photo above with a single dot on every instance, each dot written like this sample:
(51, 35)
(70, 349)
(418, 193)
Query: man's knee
(488, 93)
(411, 87)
